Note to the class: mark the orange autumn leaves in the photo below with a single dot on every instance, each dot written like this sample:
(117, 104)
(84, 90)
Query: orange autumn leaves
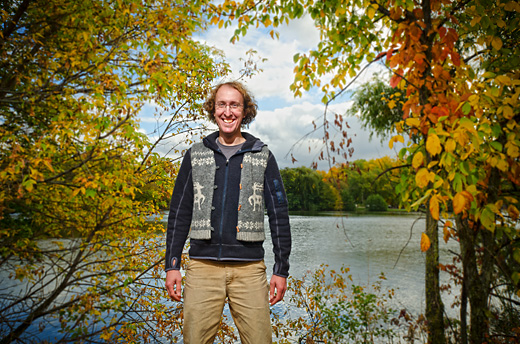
(425, 242)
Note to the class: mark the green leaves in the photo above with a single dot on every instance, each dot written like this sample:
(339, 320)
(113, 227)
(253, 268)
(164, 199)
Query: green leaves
(335, 310)
(487, 217)
(78, 179)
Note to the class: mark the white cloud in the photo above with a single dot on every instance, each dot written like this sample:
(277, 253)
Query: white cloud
(277, 73)
(283, 120)
(285, 131)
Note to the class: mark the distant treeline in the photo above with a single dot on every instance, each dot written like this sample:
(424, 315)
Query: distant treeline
(361, 183)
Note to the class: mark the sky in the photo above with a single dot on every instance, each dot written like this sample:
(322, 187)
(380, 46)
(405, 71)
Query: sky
(283, 121)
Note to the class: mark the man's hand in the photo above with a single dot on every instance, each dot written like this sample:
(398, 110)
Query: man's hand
(277, 290)
(173, 284)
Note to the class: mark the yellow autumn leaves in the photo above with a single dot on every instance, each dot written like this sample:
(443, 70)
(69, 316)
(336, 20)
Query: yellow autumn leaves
(424, 177)
(433, 144)
(461, 201)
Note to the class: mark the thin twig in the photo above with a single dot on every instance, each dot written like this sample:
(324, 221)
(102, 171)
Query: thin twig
(409, 239)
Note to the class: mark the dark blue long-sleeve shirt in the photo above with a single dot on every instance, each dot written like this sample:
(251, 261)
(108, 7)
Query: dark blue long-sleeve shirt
(223, 245)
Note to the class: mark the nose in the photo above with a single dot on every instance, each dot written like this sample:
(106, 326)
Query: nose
(227, 110)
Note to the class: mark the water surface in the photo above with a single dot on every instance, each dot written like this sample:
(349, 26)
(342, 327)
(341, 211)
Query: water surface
(369, 245)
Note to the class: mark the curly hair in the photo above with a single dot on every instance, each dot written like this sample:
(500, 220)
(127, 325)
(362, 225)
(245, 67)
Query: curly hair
(250, 105)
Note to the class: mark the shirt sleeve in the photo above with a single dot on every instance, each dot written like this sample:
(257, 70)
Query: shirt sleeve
(179, 218)
(278, 213)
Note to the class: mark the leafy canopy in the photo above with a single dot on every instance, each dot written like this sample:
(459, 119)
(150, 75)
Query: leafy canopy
(78, 180)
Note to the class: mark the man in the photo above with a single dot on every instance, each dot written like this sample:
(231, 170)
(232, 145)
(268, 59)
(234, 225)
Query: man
(220, 193)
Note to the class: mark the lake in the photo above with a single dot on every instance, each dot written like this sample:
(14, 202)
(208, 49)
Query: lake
(369, 244)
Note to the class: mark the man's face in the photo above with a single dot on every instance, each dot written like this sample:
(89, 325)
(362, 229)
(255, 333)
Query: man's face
(229, 106)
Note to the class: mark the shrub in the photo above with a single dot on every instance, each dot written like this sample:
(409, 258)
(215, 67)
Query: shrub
(376, 203)
(348, 201)
(333, 310)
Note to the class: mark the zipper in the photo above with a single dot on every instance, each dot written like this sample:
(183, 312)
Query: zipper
(224, 194)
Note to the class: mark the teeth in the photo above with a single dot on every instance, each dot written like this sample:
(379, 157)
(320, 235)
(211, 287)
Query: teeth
(228, 121)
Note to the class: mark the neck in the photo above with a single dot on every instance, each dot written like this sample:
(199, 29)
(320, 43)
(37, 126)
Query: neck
(231, 140)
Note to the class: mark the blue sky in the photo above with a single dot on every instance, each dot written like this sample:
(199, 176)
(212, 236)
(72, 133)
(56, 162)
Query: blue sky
(283, 120)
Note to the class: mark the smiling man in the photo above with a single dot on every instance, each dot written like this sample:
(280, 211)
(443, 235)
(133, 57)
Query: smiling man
(222, 189)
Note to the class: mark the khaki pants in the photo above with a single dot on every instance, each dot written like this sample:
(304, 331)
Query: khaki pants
(208, 283)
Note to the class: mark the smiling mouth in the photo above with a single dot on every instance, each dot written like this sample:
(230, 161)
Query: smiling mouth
(229, 120)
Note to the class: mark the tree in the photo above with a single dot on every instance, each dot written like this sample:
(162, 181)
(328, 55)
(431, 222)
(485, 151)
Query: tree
(306, 190)
(362, 178)
(470, 155)
(78, 257)
(360, 181)
(348, 201)
(379, 107)
(376, 202)
(457, 64)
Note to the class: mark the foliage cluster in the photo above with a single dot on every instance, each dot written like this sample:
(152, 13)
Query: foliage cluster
(363, 178)
(457, 65)
(78, 260)
(324, 306)
(75, 247)
(376, 203)
(342, 187)
(378, 106)
(306, 190)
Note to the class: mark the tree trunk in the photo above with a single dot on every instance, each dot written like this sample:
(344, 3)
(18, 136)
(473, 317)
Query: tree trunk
(434, 305)
(477, 283)
(478, 268)
(464, 311)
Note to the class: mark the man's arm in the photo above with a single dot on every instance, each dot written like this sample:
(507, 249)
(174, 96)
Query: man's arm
(277, 210)
(179, 220)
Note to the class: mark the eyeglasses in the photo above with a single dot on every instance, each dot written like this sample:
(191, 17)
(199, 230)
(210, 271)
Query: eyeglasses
(232, 106)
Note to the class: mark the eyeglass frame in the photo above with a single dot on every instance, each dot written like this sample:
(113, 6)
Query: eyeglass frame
(224, 106)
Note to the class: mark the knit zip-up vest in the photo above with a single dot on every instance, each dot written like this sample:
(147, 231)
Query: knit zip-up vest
(250, 225)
